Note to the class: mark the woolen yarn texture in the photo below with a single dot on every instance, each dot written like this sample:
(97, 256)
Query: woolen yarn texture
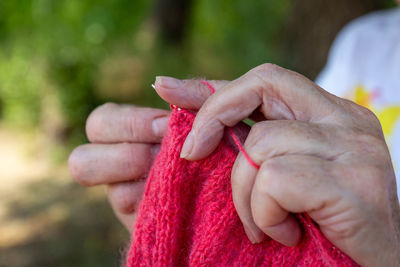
(187, 216)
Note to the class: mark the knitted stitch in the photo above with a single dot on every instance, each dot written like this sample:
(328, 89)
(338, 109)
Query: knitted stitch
(187, 216)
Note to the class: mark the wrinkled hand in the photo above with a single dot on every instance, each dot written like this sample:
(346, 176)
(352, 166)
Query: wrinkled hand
(318, 154)
(124, 142)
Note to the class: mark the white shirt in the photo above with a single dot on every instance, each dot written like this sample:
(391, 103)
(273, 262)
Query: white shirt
(364, 66)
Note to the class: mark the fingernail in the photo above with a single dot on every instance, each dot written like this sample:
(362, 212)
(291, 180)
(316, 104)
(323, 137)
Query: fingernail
(254, 237)
(160, 126)
(188, 145)
(168, 82)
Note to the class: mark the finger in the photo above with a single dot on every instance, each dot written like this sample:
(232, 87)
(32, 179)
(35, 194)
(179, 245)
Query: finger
(190, 94)
(125, 199)
(291, 184)
(127, 220)
(95, 164)
(269, 139)
(242, 180)
(279, 93)
(112, 123)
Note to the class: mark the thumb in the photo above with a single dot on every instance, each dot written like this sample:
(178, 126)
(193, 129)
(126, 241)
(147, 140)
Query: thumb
(278, 93)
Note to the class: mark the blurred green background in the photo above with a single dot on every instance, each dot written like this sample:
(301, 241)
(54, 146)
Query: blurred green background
(59, 59)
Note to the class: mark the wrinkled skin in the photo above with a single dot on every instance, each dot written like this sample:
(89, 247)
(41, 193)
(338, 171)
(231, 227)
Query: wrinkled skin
(318, 154)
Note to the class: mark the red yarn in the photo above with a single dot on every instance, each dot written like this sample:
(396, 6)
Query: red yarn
(208, 85)
(187, 216)
(241, 149)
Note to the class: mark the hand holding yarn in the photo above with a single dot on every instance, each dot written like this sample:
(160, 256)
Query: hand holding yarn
(124, 140)
(318, 154)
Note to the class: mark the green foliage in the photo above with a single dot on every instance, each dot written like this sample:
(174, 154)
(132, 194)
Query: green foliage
(60, 48)
(58, 43)
(389, 3)
(242, 34)
(57, 47)
(20, 83)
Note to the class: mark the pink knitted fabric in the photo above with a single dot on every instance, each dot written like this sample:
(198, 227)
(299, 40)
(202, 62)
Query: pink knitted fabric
(187, 216)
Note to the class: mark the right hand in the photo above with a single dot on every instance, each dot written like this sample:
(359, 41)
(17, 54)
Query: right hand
(124, 140)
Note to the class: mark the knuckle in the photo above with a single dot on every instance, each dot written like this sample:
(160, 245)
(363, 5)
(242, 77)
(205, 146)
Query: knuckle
(194, 84)
(257, 133)
(199, 86)
(265, 72)
(133, 127)
(95, 121)
(135, 160)
(369, 116)
(261, 76)
(271, 170)
(372, 145)
(366, 112)
(363, 117)
(129, 157)
(267, 68)
(258, 128)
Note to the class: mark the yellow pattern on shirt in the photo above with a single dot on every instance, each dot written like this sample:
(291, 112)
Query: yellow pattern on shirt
(388, 116)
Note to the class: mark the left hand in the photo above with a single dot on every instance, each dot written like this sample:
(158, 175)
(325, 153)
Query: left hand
(124, 140)
(318, 154)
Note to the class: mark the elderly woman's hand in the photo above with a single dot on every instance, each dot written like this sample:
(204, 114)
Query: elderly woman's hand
(124, 142)
(318, 154)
